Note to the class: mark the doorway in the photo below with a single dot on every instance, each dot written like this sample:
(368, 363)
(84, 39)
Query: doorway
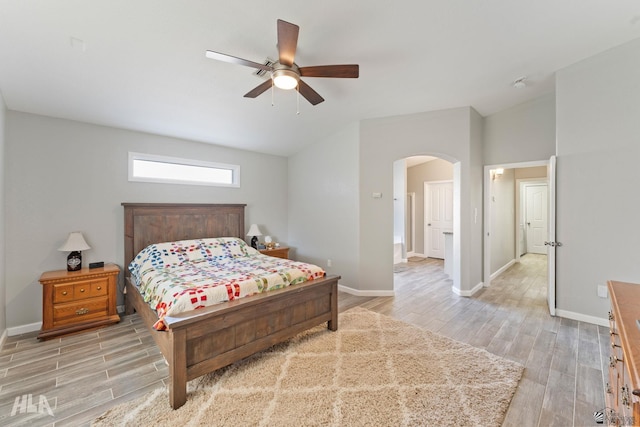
(534, 221)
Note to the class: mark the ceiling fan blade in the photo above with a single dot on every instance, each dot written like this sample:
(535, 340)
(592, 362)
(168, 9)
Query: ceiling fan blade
(258, 90)
(234, 60)
(310, 95)
(287, 42)
(343, 71)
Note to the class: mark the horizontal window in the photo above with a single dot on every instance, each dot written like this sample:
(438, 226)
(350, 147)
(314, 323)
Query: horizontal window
(172, 170)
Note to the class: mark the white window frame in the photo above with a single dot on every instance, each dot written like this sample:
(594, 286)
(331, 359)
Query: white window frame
(235, 170)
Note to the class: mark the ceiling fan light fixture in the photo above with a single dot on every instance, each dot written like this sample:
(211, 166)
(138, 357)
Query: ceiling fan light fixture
(285, 79)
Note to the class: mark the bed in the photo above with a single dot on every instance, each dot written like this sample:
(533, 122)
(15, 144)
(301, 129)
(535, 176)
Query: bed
(204, 340)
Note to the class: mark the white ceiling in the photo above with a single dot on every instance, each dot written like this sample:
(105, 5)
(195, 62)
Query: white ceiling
(141, 64)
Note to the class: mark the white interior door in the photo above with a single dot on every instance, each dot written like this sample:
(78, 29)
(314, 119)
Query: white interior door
(551, 244)
(536, 224)
(438, 217)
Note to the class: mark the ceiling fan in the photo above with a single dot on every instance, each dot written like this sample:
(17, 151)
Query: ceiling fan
(285, 73)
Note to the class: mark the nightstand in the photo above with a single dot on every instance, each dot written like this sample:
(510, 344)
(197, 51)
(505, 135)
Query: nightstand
(281, 252)
(74, 301)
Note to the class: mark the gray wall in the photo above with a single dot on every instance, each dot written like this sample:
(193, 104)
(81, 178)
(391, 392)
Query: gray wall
(434, 170)
(331, 185)
(475, 214)
(598, 120)
(323, 204)
(65, 176)
(3, 283)
(523, 133)
(503, 217)
(454, 135)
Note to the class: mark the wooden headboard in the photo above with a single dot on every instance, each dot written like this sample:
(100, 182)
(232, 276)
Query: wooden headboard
(148, 223)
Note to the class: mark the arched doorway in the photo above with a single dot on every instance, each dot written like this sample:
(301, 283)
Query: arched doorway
(424, 210)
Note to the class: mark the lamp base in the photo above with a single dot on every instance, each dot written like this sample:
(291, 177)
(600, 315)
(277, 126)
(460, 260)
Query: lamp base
(74, 261)
(254, 242)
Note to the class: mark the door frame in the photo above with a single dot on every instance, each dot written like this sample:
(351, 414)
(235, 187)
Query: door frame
(487, 216)
(411, 229)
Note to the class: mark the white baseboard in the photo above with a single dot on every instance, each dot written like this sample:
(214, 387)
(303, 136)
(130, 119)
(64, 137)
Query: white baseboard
(582, 317)
(475, 289)
(503, 269)
(23, 329)
(365, 293)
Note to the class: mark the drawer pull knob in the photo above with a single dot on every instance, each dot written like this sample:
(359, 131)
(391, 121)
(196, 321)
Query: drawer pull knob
(64, 293)
(99, 288)
(82, 290)
(625, 395)
(82, 311)
(613, 361)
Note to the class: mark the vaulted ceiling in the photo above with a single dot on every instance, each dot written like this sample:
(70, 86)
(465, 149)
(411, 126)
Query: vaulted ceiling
(141, 64)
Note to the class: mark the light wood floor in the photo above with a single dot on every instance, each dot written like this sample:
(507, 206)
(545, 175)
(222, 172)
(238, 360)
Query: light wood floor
(83, 375)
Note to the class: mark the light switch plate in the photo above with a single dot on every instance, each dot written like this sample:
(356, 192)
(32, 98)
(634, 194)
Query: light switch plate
(602, 291)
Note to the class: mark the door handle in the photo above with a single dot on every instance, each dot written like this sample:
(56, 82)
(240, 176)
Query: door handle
(554, 244)
(429, 225)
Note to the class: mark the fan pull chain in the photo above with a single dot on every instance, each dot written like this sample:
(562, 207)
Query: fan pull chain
(273, 103)
(298, 100)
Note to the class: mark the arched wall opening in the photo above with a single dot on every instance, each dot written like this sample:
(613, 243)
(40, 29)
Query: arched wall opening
(424, 214)
(454, 135)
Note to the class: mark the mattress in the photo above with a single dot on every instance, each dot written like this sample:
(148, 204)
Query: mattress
(177, 277)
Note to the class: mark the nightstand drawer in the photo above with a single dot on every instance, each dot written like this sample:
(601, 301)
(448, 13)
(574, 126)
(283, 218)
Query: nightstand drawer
(80, 311)
(281, 252)
(62, 293)
(90, 288)
(81, 290)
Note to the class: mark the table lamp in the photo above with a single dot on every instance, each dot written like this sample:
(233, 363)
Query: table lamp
(255, 232)
(75, 243)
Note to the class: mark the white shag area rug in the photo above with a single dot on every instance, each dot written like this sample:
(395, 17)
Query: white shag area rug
(373, 371)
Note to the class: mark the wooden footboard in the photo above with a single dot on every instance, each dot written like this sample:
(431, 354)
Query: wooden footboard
(207, 339)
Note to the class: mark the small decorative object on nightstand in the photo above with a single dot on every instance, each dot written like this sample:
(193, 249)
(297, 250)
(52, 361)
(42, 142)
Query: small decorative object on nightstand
(74, 301)
(281, 252)
(255, 232)
(269, 243)
(74, 244)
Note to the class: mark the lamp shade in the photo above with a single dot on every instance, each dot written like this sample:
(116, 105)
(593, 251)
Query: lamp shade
(254, 230)
(75, 242)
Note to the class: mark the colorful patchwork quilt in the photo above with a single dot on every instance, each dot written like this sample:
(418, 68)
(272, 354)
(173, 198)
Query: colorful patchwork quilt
(175, 277)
